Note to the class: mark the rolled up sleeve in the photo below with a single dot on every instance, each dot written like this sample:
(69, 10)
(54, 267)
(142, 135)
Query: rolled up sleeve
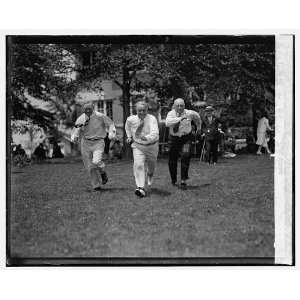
(128, 128)
(196, 117)
(153, 136)
(171, 119)
(112, 132)
(77, 127)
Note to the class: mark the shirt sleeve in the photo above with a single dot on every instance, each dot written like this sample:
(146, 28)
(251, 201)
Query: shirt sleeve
(172, 119)
(78, 127)
(111, 127)
(153, 136)
(196, 117)
(267, 124)
(128, 128)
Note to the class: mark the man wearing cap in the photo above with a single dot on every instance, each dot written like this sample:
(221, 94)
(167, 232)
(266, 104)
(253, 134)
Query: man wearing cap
(92, 127)
(211, 133)
(180, 138)
(143, 135)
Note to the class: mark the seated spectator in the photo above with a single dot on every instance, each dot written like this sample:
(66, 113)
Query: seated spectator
(19, 156)
(229, 143)
(116, 150)
(40, 152)
(19, 150)
(250, 140)
(57, 151)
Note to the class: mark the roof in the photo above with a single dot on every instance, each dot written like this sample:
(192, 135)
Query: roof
(39, 103)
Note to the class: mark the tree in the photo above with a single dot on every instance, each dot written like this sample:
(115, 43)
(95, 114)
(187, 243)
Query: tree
(122, 64)
(239, 72)
(40, 70)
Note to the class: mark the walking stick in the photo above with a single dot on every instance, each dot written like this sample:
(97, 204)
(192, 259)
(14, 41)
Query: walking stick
(203, 150)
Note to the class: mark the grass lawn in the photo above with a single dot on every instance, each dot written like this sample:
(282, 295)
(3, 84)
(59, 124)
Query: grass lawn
(227, 211)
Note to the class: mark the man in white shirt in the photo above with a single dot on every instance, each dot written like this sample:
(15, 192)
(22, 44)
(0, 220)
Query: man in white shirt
(143, 135)
(180, 138)
(92, 127)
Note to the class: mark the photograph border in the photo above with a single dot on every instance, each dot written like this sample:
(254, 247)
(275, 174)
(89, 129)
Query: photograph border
(145, 261)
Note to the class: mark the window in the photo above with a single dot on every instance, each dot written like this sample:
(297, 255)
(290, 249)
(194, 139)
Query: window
(100, 106)
(88, 58)
(109, 109)
(105, 107)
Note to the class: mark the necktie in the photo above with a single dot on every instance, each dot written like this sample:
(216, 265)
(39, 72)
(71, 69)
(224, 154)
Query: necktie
(83, 125)
(139, 129)
(176, 127)
(87, 121)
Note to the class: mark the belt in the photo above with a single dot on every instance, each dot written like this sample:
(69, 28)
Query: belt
(177, 136)
(96, 139)
(153, 143)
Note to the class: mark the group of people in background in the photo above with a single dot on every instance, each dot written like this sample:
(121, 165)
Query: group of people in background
(40, 153)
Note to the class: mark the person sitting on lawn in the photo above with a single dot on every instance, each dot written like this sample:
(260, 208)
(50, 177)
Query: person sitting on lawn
(19, 150)
(57, 151)
(229, 142)
(92, 127)
(115, 150)
(40, 152)
(143, 135)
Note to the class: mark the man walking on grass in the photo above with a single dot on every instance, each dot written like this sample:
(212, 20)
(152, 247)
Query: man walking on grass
(92, 127)
(143, 135)
(180, 139)
(211, 128)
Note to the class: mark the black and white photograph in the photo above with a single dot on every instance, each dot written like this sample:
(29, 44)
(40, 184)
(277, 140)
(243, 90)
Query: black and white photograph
(149, 150)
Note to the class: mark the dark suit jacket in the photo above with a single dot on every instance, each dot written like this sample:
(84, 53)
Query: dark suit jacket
(210, 129)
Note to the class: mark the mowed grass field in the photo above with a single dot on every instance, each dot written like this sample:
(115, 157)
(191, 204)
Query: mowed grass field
(227, 211)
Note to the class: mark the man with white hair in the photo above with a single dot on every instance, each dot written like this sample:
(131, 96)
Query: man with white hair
(143, 135)
(180, 138)
(92, 127)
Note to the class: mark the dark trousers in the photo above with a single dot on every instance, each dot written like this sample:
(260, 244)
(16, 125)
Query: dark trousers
(212, 150)
(179, 145)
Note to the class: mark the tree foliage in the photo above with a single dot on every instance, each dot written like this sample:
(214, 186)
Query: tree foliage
(237, 75)
(39, 70)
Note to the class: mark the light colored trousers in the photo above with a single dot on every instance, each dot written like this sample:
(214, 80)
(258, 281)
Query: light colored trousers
(145, 159)
(92, 153)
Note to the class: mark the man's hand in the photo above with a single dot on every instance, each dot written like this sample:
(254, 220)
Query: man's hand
(129, 140)
(74, 139)
(112, 137)
(143, 138)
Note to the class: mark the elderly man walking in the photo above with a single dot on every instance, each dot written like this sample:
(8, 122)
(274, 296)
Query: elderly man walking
(180, 139)
(143, 135)
(92, 127)
(212, 135)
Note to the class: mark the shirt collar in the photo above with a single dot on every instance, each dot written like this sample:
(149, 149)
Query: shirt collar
(183, 113)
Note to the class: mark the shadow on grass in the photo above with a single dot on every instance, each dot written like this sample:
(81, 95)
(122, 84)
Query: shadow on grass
(110, 189)
(197, 187)
(160, 192)
(17, 172)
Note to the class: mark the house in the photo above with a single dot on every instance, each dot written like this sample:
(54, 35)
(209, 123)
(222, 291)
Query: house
(107, 98)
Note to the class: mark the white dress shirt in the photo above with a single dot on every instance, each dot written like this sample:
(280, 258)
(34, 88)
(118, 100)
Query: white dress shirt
(185, 126)
(150, 129)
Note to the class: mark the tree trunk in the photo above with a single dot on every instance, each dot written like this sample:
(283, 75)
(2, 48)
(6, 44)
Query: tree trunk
(126, 107)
